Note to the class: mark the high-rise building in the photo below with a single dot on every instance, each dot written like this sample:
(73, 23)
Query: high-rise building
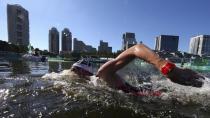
(104, 47)
(128, 40)
(90, 49)
(54, 41)
(18, 25)
(79, 46)
(200, 45)
(66, 40)
(167, 43)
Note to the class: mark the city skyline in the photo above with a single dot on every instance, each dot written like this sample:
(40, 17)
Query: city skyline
(92, 21)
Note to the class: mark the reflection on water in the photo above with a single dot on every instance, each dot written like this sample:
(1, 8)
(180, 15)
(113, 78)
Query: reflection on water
(20, 67)
(54, 66)
(59, 66)
(66, 65)
(33, 68)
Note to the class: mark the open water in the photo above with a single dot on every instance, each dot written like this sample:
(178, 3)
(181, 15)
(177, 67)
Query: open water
(36, 89)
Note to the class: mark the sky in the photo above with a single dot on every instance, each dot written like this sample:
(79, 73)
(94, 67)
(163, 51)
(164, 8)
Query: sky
(107, 20)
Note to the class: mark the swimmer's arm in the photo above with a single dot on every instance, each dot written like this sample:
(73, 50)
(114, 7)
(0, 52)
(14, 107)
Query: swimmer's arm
(177, 75)
(140, 51)
(143, 52)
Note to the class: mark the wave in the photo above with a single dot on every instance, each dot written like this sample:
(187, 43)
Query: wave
(67, 94)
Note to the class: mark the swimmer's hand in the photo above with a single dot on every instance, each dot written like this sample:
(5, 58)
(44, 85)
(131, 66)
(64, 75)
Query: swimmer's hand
(186, 77)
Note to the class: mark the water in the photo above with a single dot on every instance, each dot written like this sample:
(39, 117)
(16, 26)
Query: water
(29, 89)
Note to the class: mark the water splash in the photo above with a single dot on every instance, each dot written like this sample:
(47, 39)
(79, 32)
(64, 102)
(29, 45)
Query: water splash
(67, 94)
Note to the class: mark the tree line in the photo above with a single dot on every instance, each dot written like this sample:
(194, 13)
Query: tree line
(5, 46)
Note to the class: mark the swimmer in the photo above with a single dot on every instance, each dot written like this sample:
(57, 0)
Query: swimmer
(177, 75)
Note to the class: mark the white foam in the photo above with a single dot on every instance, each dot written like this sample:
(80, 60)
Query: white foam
(60, 83)
(58, 76)
(94, 80)
(52, 75)
(3, 94)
